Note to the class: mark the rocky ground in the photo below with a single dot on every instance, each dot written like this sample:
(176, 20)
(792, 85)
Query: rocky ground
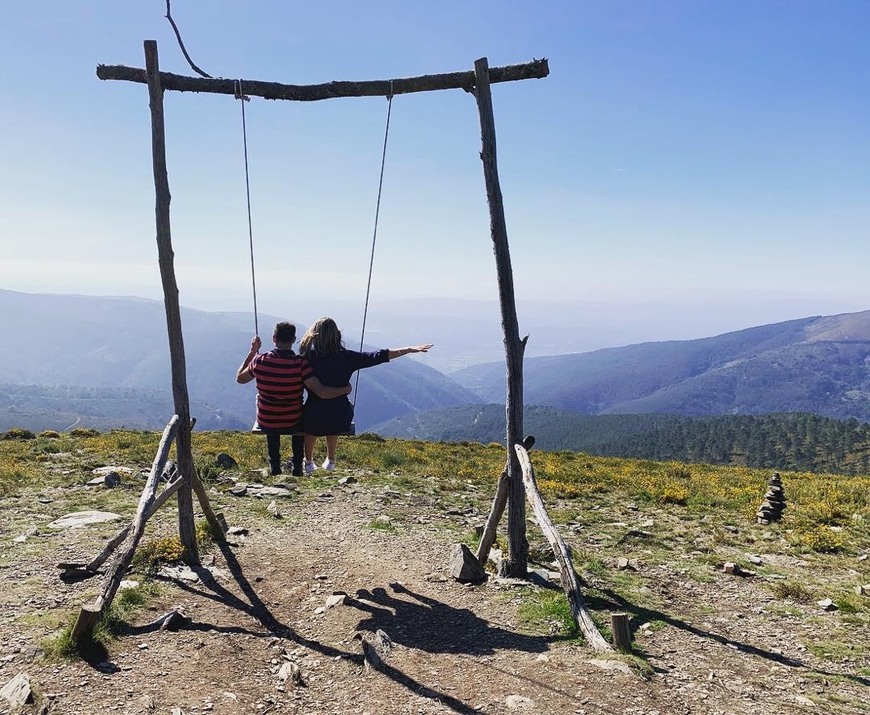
(265, 633)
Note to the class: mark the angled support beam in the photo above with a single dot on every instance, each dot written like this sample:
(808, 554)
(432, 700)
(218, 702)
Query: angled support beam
(562, 552)
(536, 69)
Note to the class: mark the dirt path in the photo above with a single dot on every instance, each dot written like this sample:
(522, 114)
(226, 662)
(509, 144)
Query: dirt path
(456, 648)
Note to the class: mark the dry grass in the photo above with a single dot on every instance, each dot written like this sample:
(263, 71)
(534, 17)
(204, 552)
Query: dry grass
(690, 518)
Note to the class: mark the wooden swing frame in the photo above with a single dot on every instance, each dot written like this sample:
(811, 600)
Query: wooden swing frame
(476, 82)
(518, 478)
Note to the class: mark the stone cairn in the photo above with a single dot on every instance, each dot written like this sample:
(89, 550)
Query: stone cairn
(773, 505)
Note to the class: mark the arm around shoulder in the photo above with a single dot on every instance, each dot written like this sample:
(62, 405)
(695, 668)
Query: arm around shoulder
(325, 392)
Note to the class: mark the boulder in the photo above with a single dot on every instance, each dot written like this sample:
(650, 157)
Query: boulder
(464, 565)
(83, 518)
(225, 461)
(17, 692)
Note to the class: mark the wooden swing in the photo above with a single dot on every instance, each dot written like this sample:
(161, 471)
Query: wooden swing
(477, 83)
(513, 485)
(351, 431)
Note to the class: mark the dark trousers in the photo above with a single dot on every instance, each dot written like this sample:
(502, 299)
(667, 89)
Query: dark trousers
(273, 444)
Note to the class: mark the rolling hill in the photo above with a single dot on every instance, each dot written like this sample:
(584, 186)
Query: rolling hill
(104, 362)
(817, 365)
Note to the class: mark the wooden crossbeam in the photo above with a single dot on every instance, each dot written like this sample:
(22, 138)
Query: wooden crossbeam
(536, 69)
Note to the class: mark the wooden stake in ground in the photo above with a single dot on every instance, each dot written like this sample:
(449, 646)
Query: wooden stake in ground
(563, 557)
(621, 632)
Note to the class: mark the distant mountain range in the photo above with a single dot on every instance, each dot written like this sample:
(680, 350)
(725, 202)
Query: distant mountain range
(819, 365)
(118, 349)
(104, 362)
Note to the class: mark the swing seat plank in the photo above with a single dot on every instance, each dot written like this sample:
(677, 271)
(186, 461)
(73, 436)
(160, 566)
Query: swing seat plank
(256, 430)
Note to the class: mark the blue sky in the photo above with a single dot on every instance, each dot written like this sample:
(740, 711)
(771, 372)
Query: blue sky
(704, 165)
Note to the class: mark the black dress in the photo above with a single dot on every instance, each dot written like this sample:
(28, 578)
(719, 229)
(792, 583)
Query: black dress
(322, 417)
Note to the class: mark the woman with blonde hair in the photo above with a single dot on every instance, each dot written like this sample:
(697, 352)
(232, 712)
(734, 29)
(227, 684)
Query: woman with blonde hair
(333, 365)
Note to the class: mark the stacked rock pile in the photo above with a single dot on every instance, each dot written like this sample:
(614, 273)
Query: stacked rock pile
(773, 505)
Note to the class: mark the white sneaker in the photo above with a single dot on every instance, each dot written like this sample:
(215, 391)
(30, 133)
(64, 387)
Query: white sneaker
(310, 466)
(328, 465)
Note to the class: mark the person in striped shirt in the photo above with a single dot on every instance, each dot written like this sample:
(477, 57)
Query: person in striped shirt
(281, 375)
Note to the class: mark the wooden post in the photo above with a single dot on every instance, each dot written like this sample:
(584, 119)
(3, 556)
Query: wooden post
(621, 632)
(563, 557)
(84, 626)
(186, 526)
(516, 564)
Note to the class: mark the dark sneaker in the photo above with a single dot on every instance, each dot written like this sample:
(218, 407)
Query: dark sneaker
(276, 471)
(297, 470)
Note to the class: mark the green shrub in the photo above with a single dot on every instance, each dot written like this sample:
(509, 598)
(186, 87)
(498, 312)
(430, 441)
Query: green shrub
(48, 434)
(84, 432)
(549, 611)
(206, 469)
(11, 479)
(370, 437)
(206, 534)
(391, 458)
(18, 433)
(155, 552)
(821, 539)
(61, 644)
(679, 471)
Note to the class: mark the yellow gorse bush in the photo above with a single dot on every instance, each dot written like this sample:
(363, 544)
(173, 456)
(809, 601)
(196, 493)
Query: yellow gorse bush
(814, 500)
(820, 538)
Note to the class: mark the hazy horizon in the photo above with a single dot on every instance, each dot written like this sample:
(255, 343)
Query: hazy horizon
(469, 332)
(686, 169)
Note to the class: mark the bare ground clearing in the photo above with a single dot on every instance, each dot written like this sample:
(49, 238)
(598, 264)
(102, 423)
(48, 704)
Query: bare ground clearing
(715, 645)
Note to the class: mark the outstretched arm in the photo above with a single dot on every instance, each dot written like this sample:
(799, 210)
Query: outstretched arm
(312, 384)
(243, 374)
(398, 352)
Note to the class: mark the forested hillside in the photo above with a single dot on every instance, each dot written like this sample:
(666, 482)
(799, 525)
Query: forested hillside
(41, 407)
(797, 441)
(810, 365)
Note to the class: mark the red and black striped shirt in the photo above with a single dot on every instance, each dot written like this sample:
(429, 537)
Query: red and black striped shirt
(280, 376)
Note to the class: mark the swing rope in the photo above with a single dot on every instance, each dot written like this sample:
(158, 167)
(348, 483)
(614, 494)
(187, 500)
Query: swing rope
(240, 95)
(374, 235)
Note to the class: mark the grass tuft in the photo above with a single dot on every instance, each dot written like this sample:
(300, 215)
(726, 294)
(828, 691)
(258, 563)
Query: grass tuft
(792, 591)
(549, 611)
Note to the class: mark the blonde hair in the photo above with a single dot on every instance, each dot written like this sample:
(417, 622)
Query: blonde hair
(324, 337)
